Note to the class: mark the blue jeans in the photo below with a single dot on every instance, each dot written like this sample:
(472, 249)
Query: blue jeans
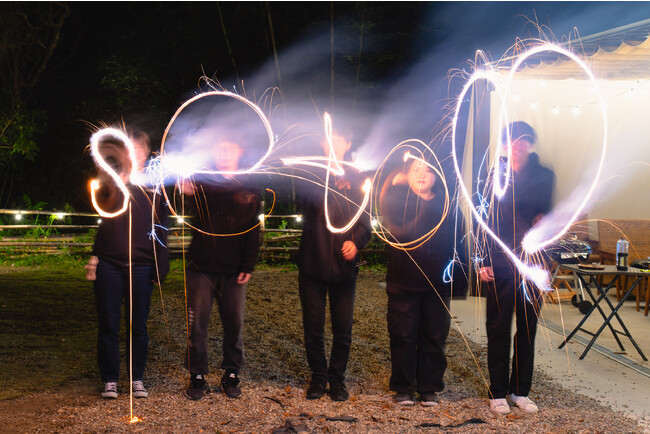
(111, 287)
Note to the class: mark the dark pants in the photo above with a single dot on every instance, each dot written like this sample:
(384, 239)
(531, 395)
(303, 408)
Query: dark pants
(508, 294)
(111, 287)
(313, 298)
(202, 289)
(418, 325)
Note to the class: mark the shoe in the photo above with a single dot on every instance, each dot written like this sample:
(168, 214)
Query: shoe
(110, 390)
(316, 389)
(229, 385)
(499, 406)
(197, 388)
(338, 391)
(138, 389)
(524, 403)
(428, 399)
(404, 398)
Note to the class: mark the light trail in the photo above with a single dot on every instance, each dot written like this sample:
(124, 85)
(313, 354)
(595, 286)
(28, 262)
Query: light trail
(99, 160)
(533, 241)
(380, 230)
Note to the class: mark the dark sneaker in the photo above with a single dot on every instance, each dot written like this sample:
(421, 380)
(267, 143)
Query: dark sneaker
(230, 385)
(316, 389)
(428, 399)
(138, 389)
(110, 390)
(197, 389)
(404, 398)
(338, 392)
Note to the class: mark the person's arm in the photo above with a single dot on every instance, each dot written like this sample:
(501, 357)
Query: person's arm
(252, 238)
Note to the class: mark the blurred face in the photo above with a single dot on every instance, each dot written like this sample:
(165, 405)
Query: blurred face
(421, 178)
(520, 152)
(226, 156)
(340, 144)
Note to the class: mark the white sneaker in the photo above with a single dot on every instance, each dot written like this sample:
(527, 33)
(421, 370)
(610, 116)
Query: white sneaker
(499, 406)
(524, 403)
(110, 390)
(138, 389)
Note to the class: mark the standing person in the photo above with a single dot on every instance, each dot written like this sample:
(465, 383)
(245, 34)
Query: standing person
(526, 200)
(219, 267)
(327, 265)
(111, 272)
(418, 297)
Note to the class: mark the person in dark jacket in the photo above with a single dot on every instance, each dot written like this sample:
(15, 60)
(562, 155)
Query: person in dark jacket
(327, 264)
(222, 256)
(526, 200)
(413, 204)
(127, 248)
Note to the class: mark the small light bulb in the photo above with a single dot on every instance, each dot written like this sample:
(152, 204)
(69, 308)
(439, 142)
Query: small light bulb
(261, 217)
(299, 218)
(19, 217)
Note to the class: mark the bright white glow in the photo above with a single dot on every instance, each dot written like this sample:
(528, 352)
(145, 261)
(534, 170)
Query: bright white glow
(180, 220)
(99, 160)
(299, 218)
(18, 217)
(261, 217)
(59, 216)
(374, 222)
(99, 221)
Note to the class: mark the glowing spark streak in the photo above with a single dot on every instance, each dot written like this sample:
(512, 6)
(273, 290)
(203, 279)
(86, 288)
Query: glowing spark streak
(447, 274)
(153, 236)
(414, 244)
(186, 170)
(528, 243)
(523, 268)
(367, 185)
(535, 274)
(250, 104)
(94, 184)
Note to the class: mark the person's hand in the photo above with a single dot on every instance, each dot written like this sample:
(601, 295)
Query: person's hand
(399, 179)
(486, 274)
(349, 250)
(243, 278)
(91, 268)
(342, 183)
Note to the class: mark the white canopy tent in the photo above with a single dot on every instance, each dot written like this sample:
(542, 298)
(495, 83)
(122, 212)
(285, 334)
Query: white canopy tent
(554, 95)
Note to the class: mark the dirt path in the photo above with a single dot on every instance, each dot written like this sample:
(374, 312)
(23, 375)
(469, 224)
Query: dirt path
(275, 377)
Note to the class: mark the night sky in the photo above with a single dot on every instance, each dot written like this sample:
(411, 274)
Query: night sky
(138, 62)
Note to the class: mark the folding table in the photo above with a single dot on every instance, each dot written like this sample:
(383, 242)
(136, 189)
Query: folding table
(592, 274)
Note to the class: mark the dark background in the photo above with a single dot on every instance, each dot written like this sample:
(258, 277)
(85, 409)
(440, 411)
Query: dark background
(67, 69)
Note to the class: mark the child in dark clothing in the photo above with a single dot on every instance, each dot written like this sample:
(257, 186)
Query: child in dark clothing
(222, 256)
(119, 259)
(418, 298)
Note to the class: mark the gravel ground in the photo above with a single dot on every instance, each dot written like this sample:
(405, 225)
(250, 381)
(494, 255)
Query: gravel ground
(275, 377)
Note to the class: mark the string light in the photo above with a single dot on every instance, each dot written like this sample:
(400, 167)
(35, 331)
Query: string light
(19, 217)
(299, 218)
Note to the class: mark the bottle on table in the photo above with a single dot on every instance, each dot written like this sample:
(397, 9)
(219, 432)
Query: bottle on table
(622, 254)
